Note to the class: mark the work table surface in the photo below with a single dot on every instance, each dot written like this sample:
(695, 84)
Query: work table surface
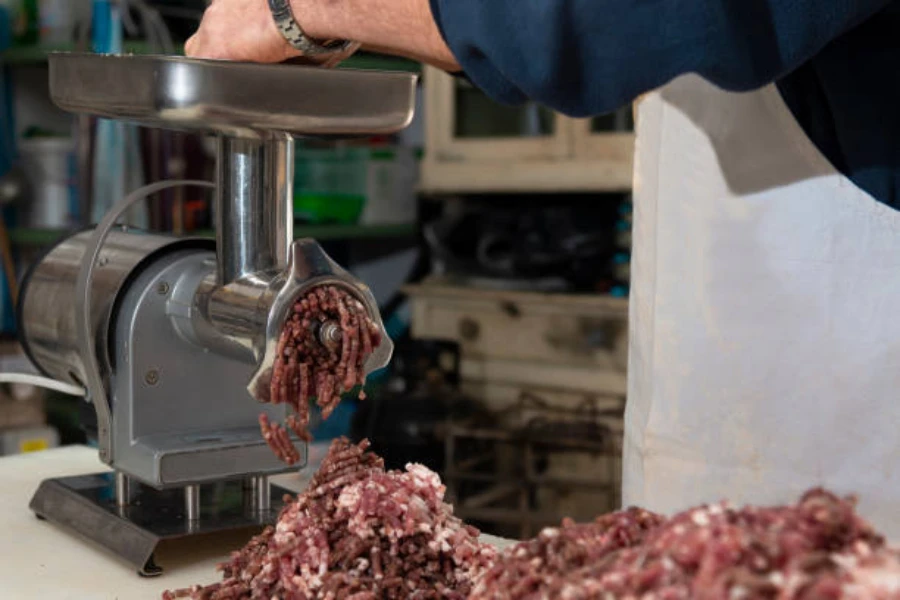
(41, 560)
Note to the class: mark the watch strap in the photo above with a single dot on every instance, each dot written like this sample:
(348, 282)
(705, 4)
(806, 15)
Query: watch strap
(293, 33)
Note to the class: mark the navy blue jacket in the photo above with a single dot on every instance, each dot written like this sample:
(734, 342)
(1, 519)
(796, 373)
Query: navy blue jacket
(836, 63)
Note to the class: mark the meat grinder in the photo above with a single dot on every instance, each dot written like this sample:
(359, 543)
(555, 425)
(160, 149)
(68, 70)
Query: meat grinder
(174, 339)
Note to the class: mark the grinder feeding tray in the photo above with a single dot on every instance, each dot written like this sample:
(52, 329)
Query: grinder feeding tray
(175, 338)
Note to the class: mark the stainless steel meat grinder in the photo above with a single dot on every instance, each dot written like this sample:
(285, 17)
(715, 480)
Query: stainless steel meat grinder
(174, 339)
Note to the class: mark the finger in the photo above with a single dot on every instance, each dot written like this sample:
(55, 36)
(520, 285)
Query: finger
(196, 47)
(201, 48)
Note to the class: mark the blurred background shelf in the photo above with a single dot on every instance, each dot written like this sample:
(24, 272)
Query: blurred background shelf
(37, 54)
(25, 236)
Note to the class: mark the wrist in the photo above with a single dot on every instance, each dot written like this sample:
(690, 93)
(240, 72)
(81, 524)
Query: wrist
(317, 18)
(306, 45)
(399, 27)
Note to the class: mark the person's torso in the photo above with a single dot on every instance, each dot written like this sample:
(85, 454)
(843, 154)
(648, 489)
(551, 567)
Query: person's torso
(765, 351)
(846, 100)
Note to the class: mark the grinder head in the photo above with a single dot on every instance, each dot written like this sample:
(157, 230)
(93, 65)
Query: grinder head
(309, 267)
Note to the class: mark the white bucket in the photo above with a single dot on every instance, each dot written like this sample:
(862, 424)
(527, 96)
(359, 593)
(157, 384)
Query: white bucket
(391, 187)
(58, 19)
(47, 164)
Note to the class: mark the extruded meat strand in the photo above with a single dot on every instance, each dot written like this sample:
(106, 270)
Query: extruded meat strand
(358, 532)
(305, 368)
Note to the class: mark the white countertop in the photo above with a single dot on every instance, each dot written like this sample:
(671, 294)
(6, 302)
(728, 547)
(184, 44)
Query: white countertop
(40, 560)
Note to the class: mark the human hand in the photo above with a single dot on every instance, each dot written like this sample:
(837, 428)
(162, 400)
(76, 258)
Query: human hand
(245, 30)
(240, 30)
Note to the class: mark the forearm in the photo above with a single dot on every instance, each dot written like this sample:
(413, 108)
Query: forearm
(398, 27)
(580, 57)
(588, 57)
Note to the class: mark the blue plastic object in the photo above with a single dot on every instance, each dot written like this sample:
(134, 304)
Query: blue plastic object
(6, 25)
(102, 38)
(7, 158)
(337, 425)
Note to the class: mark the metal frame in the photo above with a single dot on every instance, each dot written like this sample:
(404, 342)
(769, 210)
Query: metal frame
(440, 89)
(572, 160)
(89, 506)
(508, 498)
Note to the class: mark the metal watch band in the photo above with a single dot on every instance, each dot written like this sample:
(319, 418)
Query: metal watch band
(290, 29)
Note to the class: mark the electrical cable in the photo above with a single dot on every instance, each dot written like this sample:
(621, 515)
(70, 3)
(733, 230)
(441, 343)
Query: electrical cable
(43, 382)
(9, 264)
(155, 29)
(86, 348)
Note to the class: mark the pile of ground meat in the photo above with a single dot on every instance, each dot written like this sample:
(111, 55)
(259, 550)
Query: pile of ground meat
(312, 362)
(816, 549)
(536, 565)
(358, 533)
(362, 533)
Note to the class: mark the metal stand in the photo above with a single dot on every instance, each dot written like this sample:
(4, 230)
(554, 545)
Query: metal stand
(87, 505)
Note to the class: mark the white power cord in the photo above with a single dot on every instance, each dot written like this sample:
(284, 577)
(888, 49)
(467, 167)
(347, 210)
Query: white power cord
(43, 382)
(155, 29)
(84, 278)
(93, 381)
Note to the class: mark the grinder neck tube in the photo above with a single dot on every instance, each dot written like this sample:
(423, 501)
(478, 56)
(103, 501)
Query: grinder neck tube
(254, 193)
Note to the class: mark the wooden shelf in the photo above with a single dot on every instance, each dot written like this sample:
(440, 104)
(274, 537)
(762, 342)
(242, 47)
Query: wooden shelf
(44, 237)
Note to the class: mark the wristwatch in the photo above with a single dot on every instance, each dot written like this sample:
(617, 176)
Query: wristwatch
(327, 53)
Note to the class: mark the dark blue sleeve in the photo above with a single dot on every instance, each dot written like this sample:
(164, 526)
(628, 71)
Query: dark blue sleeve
(587, 57)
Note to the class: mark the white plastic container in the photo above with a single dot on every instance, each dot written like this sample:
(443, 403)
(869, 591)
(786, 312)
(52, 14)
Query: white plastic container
(391, 187)
(22, 441)
(57, 21)
(47, 163)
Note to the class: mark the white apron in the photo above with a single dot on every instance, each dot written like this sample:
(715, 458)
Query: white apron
(765, 313)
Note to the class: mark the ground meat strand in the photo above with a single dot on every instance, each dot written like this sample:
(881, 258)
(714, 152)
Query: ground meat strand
(359, 533)
(816, 549)
(305, 368)
(278, 439)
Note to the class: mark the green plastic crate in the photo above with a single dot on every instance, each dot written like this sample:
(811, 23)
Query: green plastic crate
(330, 184)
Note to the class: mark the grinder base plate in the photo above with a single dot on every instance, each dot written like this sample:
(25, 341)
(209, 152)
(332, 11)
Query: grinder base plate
(86, 505)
